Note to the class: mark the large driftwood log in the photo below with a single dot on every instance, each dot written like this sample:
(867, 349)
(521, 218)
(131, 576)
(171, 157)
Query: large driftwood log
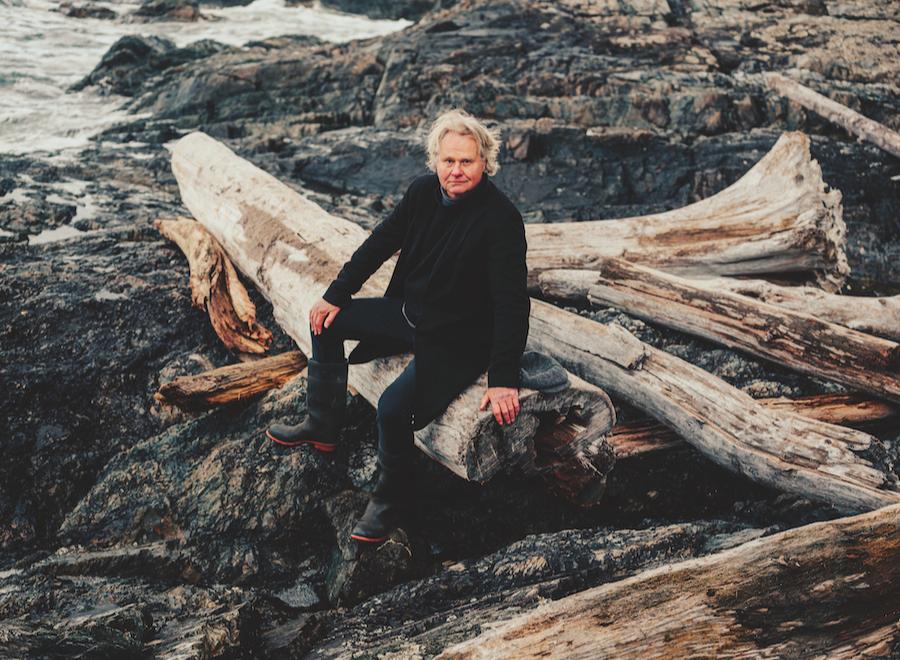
(848, 119)
(800, 341)
(817, 460)
(875, 315)
(777, 218)
(215, 287)
(642, 437)
(291, 249)
(824, 590)
(235, 382)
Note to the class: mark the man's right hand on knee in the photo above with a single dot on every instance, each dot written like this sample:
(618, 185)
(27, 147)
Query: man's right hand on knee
(322, 315)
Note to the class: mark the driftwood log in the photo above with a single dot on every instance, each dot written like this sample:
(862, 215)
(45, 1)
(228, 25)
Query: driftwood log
(640, 437)
(291, 249)
(777, 218)
(874, 315)
(795, 339)
(235, 382)
(824, 590)
(820, 461)
(215, 287)
(837, 113)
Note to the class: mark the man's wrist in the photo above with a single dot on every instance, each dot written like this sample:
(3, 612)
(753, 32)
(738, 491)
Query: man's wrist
(503, 375)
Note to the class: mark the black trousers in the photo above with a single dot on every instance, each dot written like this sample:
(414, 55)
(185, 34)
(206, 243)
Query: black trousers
(379, 319)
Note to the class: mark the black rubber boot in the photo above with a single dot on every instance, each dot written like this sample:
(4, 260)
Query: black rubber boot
(389, 500)
(326, 401)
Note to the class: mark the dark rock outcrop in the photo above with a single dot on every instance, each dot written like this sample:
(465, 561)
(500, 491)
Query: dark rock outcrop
(167, 10)
(86, 10)
(133, 60)
(411, 10)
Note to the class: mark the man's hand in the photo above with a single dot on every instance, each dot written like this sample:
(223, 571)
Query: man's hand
(504, 402)
(321, 315)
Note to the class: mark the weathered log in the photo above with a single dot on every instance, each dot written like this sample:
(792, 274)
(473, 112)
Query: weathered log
(824, 590)
(645, 436)
(235, 382)
(291, 249)
(874, 315)
(797, 340)
(820, 461)
(837, 113)
(777, 218)
(215, 287)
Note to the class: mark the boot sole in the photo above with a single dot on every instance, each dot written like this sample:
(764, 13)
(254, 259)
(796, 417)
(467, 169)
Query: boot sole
(321, 446)
(368, 539)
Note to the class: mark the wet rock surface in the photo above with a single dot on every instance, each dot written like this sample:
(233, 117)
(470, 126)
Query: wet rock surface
(86, 10)
(130, 529)
(132, 60)
(167, 10)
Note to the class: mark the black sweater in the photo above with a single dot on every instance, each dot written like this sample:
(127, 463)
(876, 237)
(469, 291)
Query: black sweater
(462, 270)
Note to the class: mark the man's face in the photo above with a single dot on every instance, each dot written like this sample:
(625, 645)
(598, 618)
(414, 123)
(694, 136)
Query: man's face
(459, 164)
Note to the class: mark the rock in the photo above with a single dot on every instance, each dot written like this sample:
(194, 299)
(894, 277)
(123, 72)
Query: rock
(81, 368)
(359, 570)
(218, 483)
(32, 216)
(53, 616)
(87, 10)
(105, 632)
(300, 88)
(300, 595)
(168, 10)
(132, 60)
(411, 10)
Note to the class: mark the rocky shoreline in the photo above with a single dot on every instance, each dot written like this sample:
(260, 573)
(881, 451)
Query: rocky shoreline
(139, 531)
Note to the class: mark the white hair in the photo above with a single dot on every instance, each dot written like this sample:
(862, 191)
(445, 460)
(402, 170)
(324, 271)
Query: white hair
(460, 121)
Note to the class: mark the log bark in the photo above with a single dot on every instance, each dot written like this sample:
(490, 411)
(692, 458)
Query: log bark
(646, 436)
(827, 589)
(291, 249)
(235, 382)
(837, 113)
(215, 287)
(777, 218)
(820, 461)
(801, 341)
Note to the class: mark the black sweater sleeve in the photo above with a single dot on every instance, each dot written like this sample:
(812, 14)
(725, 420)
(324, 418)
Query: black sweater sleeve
(384, 241)
(508, 275)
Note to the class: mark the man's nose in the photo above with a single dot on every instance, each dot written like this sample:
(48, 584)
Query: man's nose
(456, 170)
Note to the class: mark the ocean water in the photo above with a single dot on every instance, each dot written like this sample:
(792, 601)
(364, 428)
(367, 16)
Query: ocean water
(43, 52)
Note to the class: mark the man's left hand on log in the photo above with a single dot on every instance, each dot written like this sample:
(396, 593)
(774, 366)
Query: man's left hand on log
(321, 315)
(504, 402)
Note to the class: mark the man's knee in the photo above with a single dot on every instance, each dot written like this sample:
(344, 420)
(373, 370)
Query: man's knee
(393, 407)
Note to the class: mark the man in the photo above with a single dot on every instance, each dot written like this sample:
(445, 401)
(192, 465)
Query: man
(457, 299)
